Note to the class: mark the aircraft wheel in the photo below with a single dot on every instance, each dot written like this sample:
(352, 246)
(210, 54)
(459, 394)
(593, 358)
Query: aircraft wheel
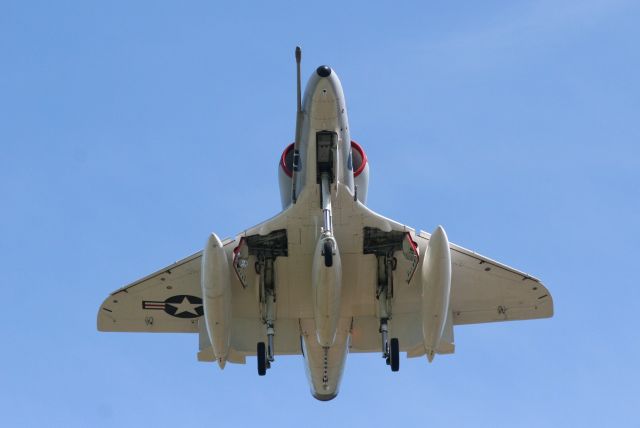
(328, 254)
(394, 354)
(261, 353)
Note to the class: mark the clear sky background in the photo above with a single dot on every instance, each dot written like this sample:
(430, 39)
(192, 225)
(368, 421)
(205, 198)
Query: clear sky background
(130, 130)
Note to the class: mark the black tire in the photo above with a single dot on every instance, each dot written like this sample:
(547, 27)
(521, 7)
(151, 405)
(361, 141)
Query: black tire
(394, 354)
(328, 254)
(261, 353)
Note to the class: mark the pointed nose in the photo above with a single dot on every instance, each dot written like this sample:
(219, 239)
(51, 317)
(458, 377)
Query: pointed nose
(324, 99)
(324, 397)
(324, 71)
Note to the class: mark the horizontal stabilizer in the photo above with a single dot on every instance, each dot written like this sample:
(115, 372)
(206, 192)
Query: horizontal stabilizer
(206, 355)
(446, 345)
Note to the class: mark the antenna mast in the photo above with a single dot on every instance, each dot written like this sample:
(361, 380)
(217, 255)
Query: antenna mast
(299, 118)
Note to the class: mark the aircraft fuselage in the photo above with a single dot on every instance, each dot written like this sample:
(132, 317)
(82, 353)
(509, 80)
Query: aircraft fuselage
(325, 151)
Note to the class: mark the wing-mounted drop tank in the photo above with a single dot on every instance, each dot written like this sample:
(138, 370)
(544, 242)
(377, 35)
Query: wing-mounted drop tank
(216, 297)
(436, 290)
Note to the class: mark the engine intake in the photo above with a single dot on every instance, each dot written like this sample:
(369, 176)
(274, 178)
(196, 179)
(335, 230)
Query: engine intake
(358, 162)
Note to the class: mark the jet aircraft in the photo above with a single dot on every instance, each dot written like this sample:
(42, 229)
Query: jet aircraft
(327, 276)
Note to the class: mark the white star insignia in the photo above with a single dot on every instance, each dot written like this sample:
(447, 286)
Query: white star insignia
(185, 306)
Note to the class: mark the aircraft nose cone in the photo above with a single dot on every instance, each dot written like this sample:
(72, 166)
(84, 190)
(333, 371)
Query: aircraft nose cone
(324, 71)
(324, 397)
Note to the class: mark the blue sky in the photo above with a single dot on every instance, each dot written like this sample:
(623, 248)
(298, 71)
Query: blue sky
(129, 131)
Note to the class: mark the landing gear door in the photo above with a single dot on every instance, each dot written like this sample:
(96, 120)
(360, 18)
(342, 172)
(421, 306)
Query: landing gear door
(411, 252)
(241, 261)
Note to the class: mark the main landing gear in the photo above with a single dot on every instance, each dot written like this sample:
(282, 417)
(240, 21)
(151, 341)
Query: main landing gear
(265, 353)
(266, 249)
(384, 293)
(390, 348)
(384, 245)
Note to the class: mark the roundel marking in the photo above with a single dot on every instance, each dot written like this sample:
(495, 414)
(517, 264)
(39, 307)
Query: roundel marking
(180, 306)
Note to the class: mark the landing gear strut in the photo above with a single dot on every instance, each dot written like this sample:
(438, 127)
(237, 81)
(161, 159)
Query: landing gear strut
(270, 333)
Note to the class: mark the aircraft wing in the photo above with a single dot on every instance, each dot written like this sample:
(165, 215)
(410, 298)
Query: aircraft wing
(482, 290)
(169, 300)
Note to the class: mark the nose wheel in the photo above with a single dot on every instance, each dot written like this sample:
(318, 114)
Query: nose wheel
(327, 252)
